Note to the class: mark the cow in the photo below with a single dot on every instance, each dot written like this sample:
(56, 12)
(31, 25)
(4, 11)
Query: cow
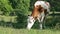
(40, 10)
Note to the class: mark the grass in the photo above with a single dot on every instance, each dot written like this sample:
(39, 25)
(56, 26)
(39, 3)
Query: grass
(8, 30)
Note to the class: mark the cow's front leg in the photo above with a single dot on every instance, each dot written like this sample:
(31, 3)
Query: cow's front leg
(42, 19)
(39, 19)
(41, 22)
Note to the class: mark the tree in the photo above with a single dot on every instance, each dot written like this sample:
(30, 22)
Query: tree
(23, 5)
(5, 6)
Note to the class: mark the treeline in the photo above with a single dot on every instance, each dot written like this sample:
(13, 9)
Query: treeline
(8, 6)
(23, 6)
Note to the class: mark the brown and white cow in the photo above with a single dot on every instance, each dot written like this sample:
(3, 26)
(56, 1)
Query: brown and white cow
(41, 8)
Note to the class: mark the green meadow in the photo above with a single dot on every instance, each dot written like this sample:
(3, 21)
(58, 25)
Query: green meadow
(8, 30)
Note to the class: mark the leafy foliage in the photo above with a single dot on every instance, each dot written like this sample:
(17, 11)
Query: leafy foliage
(24, 6)
(5, 6)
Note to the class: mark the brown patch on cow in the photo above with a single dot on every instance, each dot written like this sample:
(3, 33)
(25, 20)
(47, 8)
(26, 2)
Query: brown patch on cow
(36, 11)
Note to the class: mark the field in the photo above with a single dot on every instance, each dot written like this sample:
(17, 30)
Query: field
(6, 30)
(12, 30)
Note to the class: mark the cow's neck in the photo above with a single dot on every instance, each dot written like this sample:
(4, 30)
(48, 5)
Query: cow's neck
(35, 13)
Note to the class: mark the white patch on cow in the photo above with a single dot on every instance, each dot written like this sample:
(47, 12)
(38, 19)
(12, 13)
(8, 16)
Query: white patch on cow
(43, 4)
(30, 21)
